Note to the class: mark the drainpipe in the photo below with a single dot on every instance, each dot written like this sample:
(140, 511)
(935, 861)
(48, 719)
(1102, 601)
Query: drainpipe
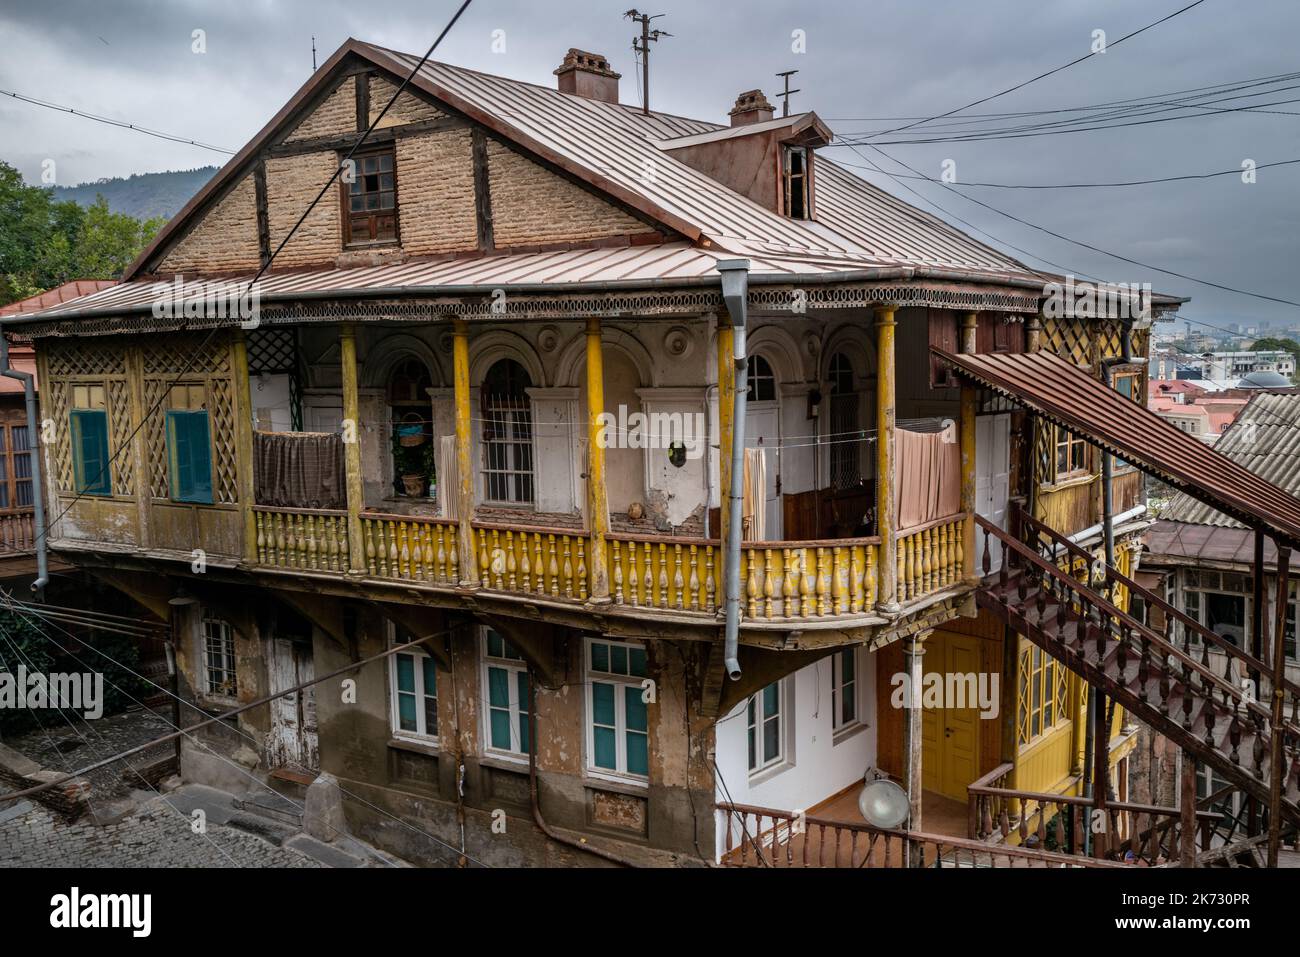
(38, 492)
(735, 293)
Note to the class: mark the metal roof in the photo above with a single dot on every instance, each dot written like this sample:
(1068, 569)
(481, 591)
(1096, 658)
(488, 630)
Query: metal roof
(1199, 544)
(1069, 396)
(1264, 439)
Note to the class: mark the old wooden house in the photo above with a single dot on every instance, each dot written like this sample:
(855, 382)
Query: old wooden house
(485, 402)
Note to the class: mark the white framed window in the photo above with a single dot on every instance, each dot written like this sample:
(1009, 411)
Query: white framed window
(765, 727)
(844, 689)
(413, 688)
(507, 435)
(505, 697)
(618, 729)
(219, 658)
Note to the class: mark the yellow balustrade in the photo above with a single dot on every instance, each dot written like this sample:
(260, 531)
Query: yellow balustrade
(930, 557)
(547, 562)
(676, 574)
(411, 549)
(306, 539)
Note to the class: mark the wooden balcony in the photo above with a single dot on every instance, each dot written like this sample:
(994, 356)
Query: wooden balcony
(17, 531)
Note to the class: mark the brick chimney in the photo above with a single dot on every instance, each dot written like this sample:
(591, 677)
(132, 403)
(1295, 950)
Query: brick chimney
(588, 74)
(751, 107)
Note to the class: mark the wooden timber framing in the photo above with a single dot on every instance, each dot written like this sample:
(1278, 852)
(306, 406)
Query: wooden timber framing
(482, 192)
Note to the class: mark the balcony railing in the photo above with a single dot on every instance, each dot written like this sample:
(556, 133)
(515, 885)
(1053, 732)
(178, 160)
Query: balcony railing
(17, 531)
(302, 538)
(410, 548)
(930, 557)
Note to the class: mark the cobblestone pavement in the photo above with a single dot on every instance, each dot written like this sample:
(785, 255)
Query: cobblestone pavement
(157, 836)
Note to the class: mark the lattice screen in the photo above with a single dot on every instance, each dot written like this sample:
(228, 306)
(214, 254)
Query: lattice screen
(98, 362)
(1068, 338)
(275, 352)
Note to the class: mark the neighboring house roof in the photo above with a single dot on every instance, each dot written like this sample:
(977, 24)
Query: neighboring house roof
(1184, 387)
(1264, 439)
(1163, 405)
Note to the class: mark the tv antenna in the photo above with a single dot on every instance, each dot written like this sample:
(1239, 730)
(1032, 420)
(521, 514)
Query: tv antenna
(313, 54)
(785, 94)
(642, 46)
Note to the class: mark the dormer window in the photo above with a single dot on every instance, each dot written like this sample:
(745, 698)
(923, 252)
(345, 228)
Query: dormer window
(798, 197)
(370, 200)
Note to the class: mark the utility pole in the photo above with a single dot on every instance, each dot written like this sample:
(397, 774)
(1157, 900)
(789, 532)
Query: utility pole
(642, 46)
(785, 94)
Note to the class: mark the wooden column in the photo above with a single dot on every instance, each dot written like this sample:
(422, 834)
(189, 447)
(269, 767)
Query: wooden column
(352, 449)
(886, 494)
(464, 458)
(244, 442)
(1187, 812)
(913, 655)
(597, 491)
(1034, 333)
(726, 409)
(969, 401)
(1276, 773)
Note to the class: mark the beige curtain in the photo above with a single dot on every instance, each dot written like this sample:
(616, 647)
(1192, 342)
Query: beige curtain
(927, 475)
(753, 508)
(448, 477)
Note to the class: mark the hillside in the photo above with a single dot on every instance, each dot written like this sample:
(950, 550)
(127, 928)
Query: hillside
(142, 195)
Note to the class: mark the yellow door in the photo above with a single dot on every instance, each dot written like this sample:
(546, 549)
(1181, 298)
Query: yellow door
(950, 735)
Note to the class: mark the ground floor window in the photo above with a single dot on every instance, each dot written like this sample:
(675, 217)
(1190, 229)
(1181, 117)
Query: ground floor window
(618, 732)
(1043, 689)
(506, 693)
(765, 723)
(844, 688)
(219, 658)
(414, 681)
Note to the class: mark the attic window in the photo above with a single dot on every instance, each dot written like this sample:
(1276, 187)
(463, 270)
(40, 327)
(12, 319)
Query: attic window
(370, 201)
(798, 204)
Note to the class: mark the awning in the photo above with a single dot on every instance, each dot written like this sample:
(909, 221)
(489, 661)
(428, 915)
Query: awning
(1069, 396)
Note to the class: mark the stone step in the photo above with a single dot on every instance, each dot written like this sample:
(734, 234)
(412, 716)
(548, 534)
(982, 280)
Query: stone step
(272, 806)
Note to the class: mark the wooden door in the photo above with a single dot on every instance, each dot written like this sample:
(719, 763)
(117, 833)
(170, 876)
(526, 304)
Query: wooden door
(950, 735)
(294, 740)
(992, 480)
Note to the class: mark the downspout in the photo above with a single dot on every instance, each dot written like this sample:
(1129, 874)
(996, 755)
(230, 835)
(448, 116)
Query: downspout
(735, 293)
(38, 491)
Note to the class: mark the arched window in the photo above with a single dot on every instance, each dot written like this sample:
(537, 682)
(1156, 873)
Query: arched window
(507, 434)
(762, 383)
(413, 448)
(845, 442)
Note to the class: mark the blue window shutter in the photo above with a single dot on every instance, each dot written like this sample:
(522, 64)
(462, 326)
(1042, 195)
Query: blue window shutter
(90, 458)
(189, 456)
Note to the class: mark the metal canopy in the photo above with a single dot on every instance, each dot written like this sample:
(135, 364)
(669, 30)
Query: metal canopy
(1069, 396)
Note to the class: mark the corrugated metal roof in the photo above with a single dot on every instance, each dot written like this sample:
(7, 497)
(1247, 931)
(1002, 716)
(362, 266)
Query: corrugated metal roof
(1205, 543)
(1265, 439)
(73, 289)
(1069, 396)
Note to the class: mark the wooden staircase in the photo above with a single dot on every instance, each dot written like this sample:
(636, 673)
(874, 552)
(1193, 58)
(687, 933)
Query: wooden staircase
(1184, 681)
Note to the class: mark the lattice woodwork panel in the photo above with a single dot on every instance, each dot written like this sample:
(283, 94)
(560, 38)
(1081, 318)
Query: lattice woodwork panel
(272, 351)
(119, 423)
(1110, 334)
(175, 356)
(155, 391)
(86, 358)
(1068, 338)
(1044, 451)
(221, 409)
(58, 396)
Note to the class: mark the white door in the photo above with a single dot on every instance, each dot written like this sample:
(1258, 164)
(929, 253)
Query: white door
(293, 739)
(992, 481)
(762, 430)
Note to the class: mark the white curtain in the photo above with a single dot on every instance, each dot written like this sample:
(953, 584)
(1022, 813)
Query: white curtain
(753, 510)
(448, 477)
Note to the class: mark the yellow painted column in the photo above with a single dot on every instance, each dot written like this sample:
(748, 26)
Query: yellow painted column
(969, 396)
(244, 442)
(597, 491)
(886, 494)
(726, 409)
(464, 458)
(352, 445)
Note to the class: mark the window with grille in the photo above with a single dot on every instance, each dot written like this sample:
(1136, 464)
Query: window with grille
(15, 467)
(507, 435)
(370, 200)
(219, 658)
(845, 446)
(1043, 689)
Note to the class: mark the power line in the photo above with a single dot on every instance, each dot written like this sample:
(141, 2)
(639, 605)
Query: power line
(118, 123)
(1065, 66)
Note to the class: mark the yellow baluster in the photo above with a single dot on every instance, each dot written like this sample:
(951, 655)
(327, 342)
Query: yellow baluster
(618, 570)
(710, 586)
(695, 578)
(678, 583)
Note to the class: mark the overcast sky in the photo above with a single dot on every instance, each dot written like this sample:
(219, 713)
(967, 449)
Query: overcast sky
(133, 60)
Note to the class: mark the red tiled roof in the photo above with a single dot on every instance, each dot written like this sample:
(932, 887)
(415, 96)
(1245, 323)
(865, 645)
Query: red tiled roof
(73, 289)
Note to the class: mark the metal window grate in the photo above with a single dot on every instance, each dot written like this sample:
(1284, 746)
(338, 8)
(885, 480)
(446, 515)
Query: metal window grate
(219, 657)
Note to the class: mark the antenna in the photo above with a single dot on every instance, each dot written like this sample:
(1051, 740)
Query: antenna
(313, 54)
(785, 94)
(642, 46)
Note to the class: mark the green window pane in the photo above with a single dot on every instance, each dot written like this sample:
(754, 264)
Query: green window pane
(498, 688)
(848, 708)
(618, 659)
(430, 676)
(496, 647)
(189, 456)
(521, 685)
(771, 700)
(406, 712)
(602, 704)
(500, 721)
(90, 451)
(431, 716)
(635, 709)
(771, 739)
(636, 662)
(638, 755)
(405, 673)
(753, 756)
(599, 656)
(605, 749)
(846, 666)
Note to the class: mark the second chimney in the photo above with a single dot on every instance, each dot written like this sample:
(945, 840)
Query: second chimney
(751, 107)
(588, 74)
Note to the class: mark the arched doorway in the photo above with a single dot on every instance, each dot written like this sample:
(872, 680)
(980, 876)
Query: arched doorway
(508, 477)
(412, 446)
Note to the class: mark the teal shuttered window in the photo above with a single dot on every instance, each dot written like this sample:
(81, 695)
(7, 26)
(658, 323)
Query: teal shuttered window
(90, 452)
(189, 455)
